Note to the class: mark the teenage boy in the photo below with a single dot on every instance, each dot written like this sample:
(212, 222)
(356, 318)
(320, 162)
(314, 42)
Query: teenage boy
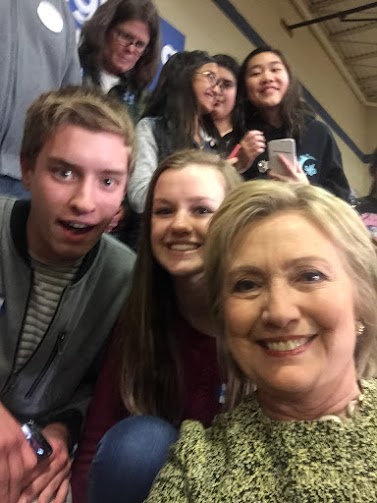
(62, 282)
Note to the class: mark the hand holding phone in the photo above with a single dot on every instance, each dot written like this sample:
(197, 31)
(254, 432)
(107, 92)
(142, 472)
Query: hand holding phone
(285, 146)
(36, 440)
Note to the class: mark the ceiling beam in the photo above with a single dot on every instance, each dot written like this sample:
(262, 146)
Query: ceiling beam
(352, 31)
(361, 57)
(334, 15)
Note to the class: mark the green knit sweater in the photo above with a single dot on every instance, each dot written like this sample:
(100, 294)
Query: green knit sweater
(246, 457)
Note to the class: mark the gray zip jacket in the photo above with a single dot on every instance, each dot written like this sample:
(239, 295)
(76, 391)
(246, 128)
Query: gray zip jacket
(56, 383)
(38, 53)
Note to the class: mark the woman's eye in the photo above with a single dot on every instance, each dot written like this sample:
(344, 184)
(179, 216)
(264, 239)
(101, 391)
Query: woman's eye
(312, 276)
(244, 285)
(162, 211)
(203, 210)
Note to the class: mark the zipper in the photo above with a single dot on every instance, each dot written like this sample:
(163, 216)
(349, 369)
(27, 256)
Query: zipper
(57, 350)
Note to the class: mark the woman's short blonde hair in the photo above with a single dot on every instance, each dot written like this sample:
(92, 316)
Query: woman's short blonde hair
(255, 200)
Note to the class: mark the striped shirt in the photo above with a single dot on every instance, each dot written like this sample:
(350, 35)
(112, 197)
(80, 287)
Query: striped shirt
(47, 289)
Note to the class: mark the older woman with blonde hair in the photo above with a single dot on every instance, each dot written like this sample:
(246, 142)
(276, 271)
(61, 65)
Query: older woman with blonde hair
(292, 281)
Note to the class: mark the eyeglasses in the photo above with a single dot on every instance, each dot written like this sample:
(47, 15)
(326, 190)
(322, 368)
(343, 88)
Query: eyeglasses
(225, 85)
(125, 40)
(211, 77)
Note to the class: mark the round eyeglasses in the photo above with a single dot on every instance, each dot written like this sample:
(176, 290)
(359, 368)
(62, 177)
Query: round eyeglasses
(211, 77)
(126, 39)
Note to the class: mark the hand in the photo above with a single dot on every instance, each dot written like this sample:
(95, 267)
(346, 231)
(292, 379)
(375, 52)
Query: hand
(17, 459)
(50, 478)
(294, 172)
(252, 145)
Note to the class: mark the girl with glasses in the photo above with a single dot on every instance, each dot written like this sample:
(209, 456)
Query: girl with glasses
(177, 116)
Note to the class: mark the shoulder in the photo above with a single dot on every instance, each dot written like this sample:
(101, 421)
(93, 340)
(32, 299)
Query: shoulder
(148, 123)
(317, 127)
(121, 255)
(6, 204)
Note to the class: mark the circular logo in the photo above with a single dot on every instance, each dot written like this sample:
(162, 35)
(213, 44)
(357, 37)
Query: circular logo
(50, 16)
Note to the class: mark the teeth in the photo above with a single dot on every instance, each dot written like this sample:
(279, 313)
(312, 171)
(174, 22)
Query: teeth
(77, 226)
(286, 345)
(184, 247)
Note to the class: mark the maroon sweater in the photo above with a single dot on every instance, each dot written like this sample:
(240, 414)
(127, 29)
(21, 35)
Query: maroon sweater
(202, 386)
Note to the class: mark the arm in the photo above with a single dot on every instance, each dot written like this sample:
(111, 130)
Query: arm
(252, 144)
(170, 485)
(146, 163)
(104, 411)
(72, 74)
(333, 177)
(188, 474)
(17, 460)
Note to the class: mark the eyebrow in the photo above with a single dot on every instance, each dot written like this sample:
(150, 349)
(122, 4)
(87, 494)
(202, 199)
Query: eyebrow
(191, 200)
(259, 65)
(68, 165)
(251, 269)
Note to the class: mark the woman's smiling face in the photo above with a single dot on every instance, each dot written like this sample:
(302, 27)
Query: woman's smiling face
(184, 202)
(289, 306)
(267, 80)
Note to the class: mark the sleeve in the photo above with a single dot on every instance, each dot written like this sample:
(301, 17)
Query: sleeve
(104, 411)
(146, 163)
(187, 475)
(72, 74)
(333, 176)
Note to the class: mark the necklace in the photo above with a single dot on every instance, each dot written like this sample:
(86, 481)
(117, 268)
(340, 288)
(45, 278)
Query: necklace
(349, 413)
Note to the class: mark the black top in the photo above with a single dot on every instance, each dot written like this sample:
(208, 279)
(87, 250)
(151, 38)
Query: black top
(317, 153)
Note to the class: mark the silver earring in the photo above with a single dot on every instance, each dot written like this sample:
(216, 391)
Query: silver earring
(360, 328)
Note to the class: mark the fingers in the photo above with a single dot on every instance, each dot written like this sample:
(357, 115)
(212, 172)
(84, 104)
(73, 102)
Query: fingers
(253, 143)
(293, 172)
(17, 458)
(47, 484)
(61, 493)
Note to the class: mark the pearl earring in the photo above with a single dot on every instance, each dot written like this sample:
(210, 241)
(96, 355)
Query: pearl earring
(360, 328)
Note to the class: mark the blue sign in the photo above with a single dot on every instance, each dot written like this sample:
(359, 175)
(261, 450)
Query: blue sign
(82, 10)
(172, 41)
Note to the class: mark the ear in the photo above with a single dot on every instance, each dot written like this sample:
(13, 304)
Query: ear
(27, 169)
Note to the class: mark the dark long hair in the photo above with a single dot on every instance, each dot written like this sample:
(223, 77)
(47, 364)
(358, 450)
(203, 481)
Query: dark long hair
(293, 109)
(150, 381)
(174, 99)
(110, 14)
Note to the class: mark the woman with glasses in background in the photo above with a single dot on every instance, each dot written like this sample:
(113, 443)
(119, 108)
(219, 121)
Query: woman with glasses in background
(119, 50)
(222, 114)
(177, 116)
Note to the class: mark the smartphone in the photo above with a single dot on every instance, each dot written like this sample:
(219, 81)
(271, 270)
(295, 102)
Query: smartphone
(234, 152)
(36, 440)
(287, 147)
